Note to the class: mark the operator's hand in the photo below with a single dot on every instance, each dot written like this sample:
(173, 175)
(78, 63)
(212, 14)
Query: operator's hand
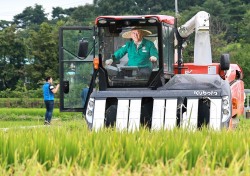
(109, 62)
(153, 59)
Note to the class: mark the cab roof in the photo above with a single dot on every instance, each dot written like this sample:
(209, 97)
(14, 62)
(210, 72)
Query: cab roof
(161, 18)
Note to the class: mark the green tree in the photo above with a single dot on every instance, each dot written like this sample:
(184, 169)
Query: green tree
(244, 30)
(237, 9)
(4, 24)
(58, 13)
(239, 54)
(31, 16)
(84, 14)
(12, 57)
(43, 50)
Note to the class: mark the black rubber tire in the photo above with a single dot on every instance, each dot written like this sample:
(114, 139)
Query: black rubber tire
(110, 116)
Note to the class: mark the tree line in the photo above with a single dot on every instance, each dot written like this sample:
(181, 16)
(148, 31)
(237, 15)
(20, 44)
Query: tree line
(29, 43)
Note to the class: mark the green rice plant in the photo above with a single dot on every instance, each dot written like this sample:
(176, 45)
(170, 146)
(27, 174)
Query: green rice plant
(32, 167)
(73, 148)
(33, 113)
(26, 111)
(6, 124)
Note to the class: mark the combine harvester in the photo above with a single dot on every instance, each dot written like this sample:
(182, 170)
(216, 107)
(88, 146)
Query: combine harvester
(174, 94)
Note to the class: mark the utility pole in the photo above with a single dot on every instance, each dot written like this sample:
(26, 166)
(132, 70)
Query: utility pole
(176, 8)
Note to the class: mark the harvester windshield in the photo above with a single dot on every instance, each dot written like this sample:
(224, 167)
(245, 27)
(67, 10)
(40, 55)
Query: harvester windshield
(130, 63)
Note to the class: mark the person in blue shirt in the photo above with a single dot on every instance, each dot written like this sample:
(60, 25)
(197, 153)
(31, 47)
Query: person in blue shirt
(84, 94)
(48, 95)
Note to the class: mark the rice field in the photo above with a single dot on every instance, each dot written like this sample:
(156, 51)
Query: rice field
(67, 147)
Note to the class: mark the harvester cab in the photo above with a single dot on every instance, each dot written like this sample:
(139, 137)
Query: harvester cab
(171, 93)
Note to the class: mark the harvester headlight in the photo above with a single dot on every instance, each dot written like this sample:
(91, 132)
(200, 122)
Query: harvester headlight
(91, 102)
(102, 21)
(90, 112)
(225, 112)
(89, 116)
(152, 20)
(225, 101)
(142, 22)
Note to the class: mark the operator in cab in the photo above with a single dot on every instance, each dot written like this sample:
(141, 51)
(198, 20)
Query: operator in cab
(141, 52)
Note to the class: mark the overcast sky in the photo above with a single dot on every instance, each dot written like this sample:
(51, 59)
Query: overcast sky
(10, 8)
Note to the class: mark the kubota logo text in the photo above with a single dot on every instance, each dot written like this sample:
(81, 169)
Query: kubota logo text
(205, 93)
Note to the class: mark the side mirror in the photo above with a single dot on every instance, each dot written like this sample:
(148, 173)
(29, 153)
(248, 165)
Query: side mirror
(65, 87)
(225, 62)
(83, 48)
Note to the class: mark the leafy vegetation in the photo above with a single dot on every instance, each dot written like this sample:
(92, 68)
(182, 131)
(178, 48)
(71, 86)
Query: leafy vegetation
(29, 43)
